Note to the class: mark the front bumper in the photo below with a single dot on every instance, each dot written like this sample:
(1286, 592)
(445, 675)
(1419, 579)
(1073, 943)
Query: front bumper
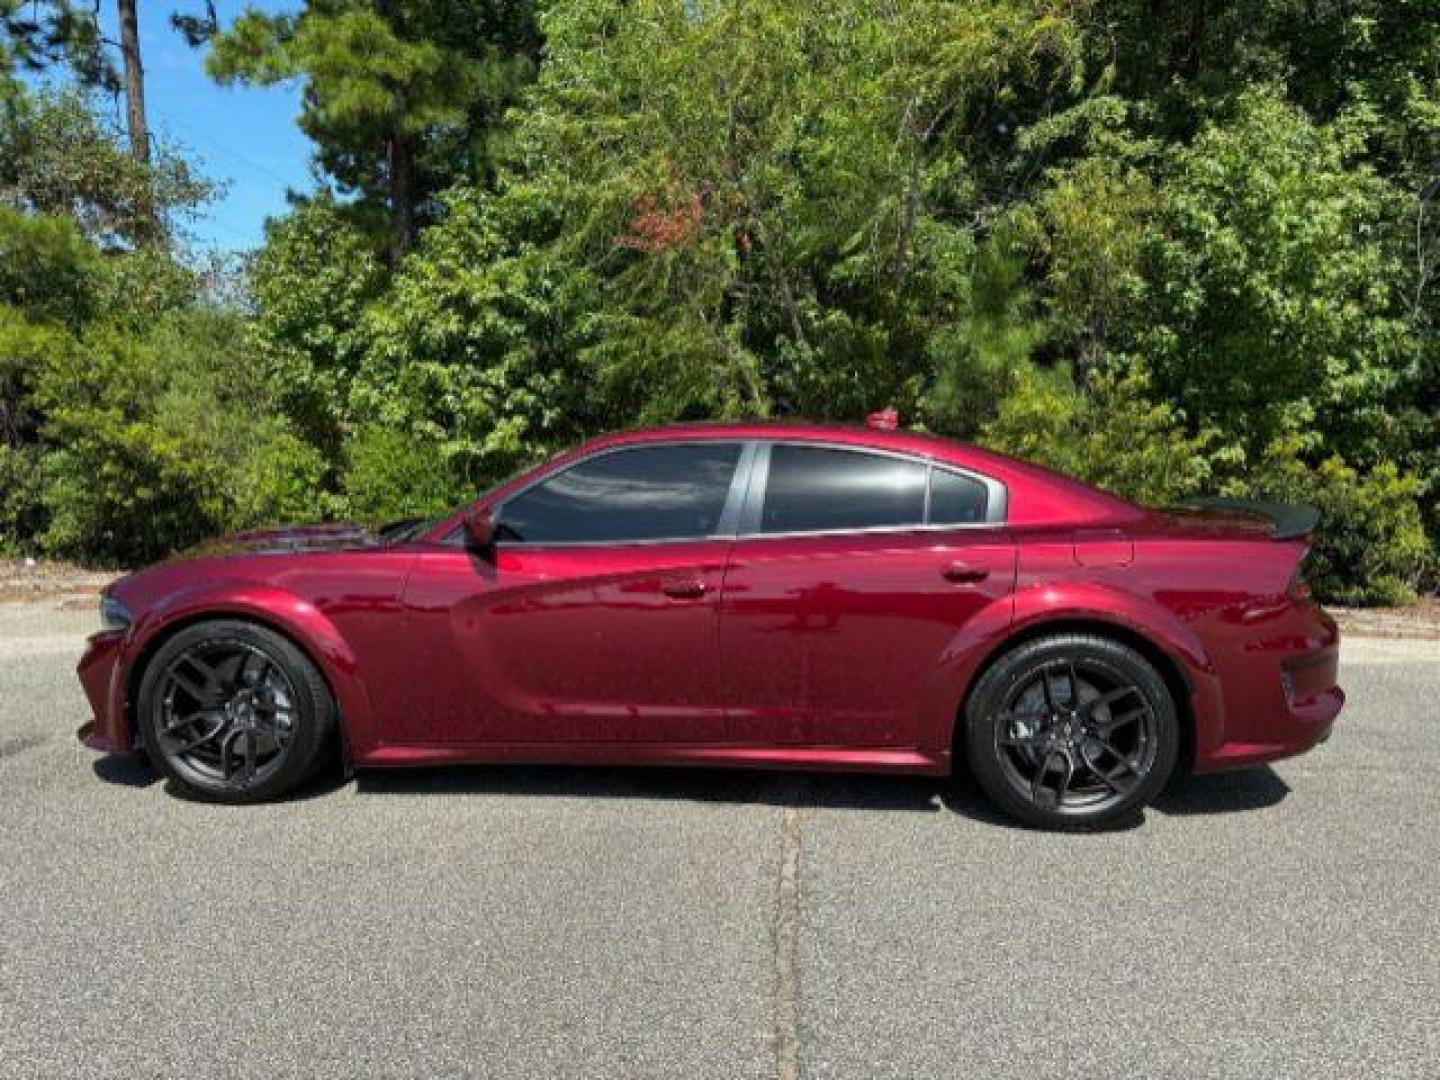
(102, 674)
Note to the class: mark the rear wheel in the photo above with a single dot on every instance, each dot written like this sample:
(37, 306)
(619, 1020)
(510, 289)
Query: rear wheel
(234, 712)
(1072, 731)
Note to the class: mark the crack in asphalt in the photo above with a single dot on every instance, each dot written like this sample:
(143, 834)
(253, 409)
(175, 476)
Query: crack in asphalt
(787, 946)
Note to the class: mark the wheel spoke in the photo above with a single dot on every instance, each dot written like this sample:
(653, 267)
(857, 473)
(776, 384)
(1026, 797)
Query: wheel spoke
(1120, 693)
(252, 740)
(1065, 778)
(1113, 723)
(198, 694)
(1049, 696)
(1042, 795)
(177, 723)
(227, 747)
(1114, 778)
(200, 740)
(1074, 681)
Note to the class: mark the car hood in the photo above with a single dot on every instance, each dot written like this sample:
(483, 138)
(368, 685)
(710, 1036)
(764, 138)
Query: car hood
(345, 536)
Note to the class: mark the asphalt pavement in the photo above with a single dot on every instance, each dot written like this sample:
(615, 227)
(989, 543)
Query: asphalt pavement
(1280, 922)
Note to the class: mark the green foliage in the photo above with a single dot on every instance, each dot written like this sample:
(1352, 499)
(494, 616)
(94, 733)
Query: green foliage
(1371, 546)
(39, 34)
(392, 474)
(1273, 297)
(158, 441)
(1113, 434)
(474, 348)
(58, 156)
(47, 270)
(312, 282)
(402, 97)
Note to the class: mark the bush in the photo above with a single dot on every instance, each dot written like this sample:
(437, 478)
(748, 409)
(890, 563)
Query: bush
(1371, 546)
(22, 515)
(391, 474)
(1112, 435)
(155, 443)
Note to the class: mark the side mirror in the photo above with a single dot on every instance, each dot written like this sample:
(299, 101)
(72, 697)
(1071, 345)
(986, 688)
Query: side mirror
(479, 530)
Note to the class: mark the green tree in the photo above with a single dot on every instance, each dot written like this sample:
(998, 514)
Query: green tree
(402, 97)
(36, 35)
(60, 157)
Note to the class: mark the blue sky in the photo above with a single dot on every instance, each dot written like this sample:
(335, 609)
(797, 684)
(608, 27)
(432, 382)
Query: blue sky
(244, 137)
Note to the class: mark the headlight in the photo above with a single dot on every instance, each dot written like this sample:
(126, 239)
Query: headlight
(114, 616)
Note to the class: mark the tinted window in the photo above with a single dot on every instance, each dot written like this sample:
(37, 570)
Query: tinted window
(650, 493)
(956, 499)
(813, 489)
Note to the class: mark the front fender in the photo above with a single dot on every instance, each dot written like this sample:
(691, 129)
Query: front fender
(295, 617)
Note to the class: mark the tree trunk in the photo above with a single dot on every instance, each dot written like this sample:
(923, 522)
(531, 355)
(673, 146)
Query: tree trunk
(402, 194)
(134, 81)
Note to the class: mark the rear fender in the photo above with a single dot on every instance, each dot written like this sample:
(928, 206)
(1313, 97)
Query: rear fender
(985, 637)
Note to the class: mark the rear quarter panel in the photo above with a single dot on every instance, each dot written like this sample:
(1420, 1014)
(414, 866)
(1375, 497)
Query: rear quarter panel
(1216, 606)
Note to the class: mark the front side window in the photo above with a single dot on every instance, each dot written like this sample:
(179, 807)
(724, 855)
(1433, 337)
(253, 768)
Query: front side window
(821, 489)
(645, 493)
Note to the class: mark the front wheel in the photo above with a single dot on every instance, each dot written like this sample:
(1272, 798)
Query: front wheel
(1072, 731)
(234, 712)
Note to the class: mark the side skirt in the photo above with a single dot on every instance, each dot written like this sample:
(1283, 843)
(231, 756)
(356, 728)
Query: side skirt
(801, 758)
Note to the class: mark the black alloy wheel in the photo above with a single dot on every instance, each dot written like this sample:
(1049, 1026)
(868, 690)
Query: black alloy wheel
(1072, 731)
(234, 712)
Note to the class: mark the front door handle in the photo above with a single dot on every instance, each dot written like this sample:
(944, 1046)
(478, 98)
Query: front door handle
(683, 588)
(963, 572)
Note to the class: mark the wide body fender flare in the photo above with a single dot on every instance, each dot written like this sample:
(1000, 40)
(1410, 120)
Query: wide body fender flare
(1028, 612)
(298, 619)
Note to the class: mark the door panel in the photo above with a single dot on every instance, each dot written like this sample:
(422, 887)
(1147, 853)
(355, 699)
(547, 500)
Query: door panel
(834, 640)
(582, 644)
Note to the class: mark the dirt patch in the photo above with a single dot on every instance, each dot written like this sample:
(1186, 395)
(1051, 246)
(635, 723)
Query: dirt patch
(43, 579)
(1419, 622)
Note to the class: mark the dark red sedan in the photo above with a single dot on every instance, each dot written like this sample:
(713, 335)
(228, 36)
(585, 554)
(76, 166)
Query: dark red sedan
(797, 597)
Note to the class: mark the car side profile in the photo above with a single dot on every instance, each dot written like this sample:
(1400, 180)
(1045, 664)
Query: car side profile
(757, 595)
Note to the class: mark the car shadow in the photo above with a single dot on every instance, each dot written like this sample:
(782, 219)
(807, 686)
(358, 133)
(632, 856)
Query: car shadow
(1256, 788)
(1222, 793)
(137, 771)
(1227, 793)
(825, 791)
(126, 770)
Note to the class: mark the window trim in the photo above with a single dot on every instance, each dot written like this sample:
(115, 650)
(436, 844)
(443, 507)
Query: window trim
(725, 526)
(996, 495)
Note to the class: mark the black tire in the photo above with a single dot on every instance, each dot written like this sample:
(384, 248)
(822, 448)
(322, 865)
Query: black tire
(1058, 764)
(252, 709)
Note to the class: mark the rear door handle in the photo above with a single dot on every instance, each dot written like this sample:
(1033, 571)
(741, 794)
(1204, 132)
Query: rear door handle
(962, 572)
(683, 588)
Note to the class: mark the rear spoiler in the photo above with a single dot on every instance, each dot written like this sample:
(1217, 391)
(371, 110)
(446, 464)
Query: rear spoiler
(1290, 521)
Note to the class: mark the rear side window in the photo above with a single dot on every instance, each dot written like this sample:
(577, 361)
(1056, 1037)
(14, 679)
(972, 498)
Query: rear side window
(956, 499)
(647, 493)
(820, 489)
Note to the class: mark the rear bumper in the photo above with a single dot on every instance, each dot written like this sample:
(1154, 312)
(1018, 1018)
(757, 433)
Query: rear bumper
(1305, 726)
(102, 672)
(1282, 693)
